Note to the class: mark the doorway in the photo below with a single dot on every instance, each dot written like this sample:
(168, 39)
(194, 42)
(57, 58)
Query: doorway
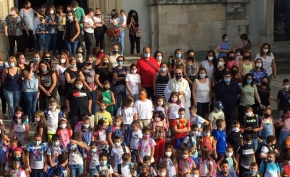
(281, 20)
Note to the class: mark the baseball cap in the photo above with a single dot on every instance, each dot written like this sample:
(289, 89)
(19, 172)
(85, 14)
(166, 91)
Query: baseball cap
(218, 105)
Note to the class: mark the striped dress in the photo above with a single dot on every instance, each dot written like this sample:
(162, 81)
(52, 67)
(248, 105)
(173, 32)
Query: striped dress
(161, 84)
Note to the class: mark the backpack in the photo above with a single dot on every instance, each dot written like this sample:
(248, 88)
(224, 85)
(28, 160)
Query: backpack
(190, 142)
(119, 168)
(258, 152)
(189, 161)
(78, 127)
(81, 150)
(98, 167)
(50, 171)
(265, 166)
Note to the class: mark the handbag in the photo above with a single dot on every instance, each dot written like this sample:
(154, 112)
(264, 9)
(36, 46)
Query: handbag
(138, 33)
(120, 89)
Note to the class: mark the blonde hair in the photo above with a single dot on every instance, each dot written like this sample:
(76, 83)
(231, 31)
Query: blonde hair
(1, 56)
(13, 58)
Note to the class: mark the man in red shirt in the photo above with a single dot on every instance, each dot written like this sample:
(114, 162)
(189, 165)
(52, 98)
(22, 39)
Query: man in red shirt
(147, 68)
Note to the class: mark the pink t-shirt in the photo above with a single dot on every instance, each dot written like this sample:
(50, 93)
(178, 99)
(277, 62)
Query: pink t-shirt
(65, 135)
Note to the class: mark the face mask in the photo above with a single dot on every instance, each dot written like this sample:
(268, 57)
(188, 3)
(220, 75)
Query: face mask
(162, 173)
(267, 115)
(120, 63)
(128, 164)
(117, 144)
(181, 115)
(80, 59)
(238, 54)
(146, 55)
(236, 129)
(11, 65)
(44, 70)
(191, 57)
(173, 100)
(286, 87)
(70, 18)
(184, 156)
(86, 125)
(37, 143)
(62, 125)
(259, 65)
(207, 134)
(168, 154)
(159, 58)
(17, 158)
(74, 9)
(103, 163)
(36, 60)
(226, 39)
(89, 63)
(73, 66)
(22, 61)
(253, 172)
(55, 143)
(73, 146)
(248, 144)
(265, 50)
(160, 103)
(18, 115)
(249, 81)
(47, 59)
(248, 114)
(78, 86)
(146, 136)
(229, 154)
(37, 119)
(231, 58)
(195, 133)
(246, 57)
(178, 55)
(195, 175)
(202, 75)
(133, 71)
(93, 150)
(235, 72)
(220, 63)
(102, 109)
(117, 123)
(115, 51)
(269, 161)
(157, 119)
(163, 69)
(264, 83)
(62, 60)
(52, 107)
(210, 58)
(227, 80)
(51, 12)
(104, 63)
(177, 77)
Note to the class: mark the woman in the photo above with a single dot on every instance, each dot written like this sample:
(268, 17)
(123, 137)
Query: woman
(11, 79)
(21, 61)
(268, 60)
(2, 97)
(80, 60)
(246, 64)
(178, 62)
(90, 79)
(99, 30)
(62, 23)
(13, 26)
(231, 56)
(258, 72)
(98, 54)
(52, 21)
(246, 43)
(161, 80)
(71, 33)
(133, 82)
(236, 76)
(119, 73)
(30, 90)
(78, 106)
(249, 93)
(47, 85)
(89, 26)
(103, 72)
(218, 73)
(224, 46)
(191, 67)
(209, 64)
(158, 56)
(59, 70)
(201, 89)
(46, 57)
(71, 73)
(133, 26)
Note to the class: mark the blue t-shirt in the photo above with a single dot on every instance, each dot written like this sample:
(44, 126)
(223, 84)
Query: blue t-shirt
(225, 46)
(120, 73)
(41, 28)
(258, 75)
(232, 173)
(284, 97)
(272, 169)
(220, 137)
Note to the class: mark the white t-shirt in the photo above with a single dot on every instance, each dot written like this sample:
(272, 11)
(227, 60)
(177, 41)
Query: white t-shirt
(89, 21)
(103, 137)
(209, 69)
(74, 157)
(115, 20)
(134, 80)
(122, 20)
(127, 114)
(94, 161)
(203, 167)
(52, 121)
(267, 62)
(199, 120)
(61, 73)
(144, 109)
(117, 153)
(54, 152)
(145, 147)
(104, 170)
(98, 20)
(113, 60)
(125, 170)
(135, 137)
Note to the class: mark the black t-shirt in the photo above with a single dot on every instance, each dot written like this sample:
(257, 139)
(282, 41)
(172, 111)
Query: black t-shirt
(234, 139)
(104, 74)
(120, 73)
(219, 75)
(264, 96)
(247, 154)
(81, 65)
(78, 102)
(252, 122)
(44, 132)
(46, 79)
(72, 74)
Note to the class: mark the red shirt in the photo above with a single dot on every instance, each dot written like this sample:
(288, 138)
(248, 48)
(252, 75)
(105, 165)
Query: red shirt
(100, 57)
(147, 71)
(181, 123)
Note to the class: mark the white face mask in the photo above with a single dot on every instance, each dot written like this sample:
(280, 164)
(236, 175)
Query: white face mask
(210, 58)
(236, 129)
(259, 65)
(86, 125)
(52, 107)
(248, 114)
(162, 173)
(62, 60)
(51, 12)
(220, 63)
(265, 50)
(62, 125)
(229, 154)
(168, 154)
(80, 59)
(133, 71)
(159, 58)
(286, 87)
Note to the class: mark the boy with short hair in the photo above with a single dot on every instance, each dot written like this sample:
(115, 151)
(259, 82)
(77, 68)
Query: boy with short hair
(270, 168)
(283, 97)
(126, 168)
(54, 151)
(225, 170)
(271, 140)
(253, 172)
(195, 172)
(104, 168)
(235, 136)
(61, 170)
(147, 160)
(136, 135)
(103, 114)
(118, 151)
(53, 116)
(220, 137)
(162, 170)
(196, 119)
(245, 155)
(216, 114)
(208, 141)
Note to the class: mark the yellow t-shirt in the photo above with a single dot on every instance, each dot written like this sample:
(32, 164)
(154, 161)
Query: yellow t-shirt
(103, 115)
(214, 116)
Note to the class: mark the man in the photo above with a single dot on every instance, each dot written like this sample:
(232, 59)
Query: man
(27, 13)
(147, 68)
(180, 85)
(228, 92)
(114, 55)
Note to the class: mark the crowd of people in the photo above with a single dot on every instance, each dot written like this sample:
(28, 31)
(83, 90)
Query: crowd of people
(158, 117)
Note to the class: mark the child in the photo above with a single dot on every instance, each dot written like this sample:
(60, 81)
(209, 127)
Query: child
(103, 114)
(252, 125)
(253, 171)
(159, 129)
(169, 160)
(101, 136)
(64, 132)
(117, 129)
(185, 164)
(261, 154)
(225, 170)
(4, 143)
(146, 145)
(195, 172)
(14, 143)
(220, 137)
(104, 168)
(270, 168)
(145, 171)
(245, 155)
(229, 156)
(74, 152)
(235, 136)
(208, 141)
(174, 104)
(196, 119)
(160, 105)
(129, 114)
(53, 115)
(181, 126)
(286, 166)
(19, 125)
(54, 151)
(126, 168)
(206, 163)
(284, 122)
(283, 97)
(60, 169)
(36, 153)
(118, 150)
(147, 160)
(42, 32)
(136, 134)
(93, 158)
(41, 125)
(162, 171)
(106, 96)
(268, 125)
(86, 134)
(191, 142)
(216, 114)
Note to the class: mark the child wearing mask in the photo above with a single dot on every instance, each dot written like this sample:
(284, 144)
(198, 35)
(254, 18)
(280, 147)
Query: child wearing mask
(106, 96)
(126, 168)
(225, 170)
(235, 136)
(270, 168)
(220, 137)
(104, 168)
(229, 156)
(216, 114)
(54, 151)
(136, 135)
(103, 114)
(146, 145)
(53, 116)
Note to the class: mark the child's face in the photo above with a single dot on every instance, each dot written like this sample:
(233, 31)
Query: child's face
(268, 112)
(225, 167)
(192, 113)
(229, 152)
(118, 142)
(195, 173)
(37, 140)
(93, 148)
(271, 158)
(207, 131)
(145, 171)
(103, 160)
(223, 125)
(103, 126)
(181, 114)
(174, 98)
(148, 162)
(107, 86)
(236, 125)
(86, 122)
(117, 122)
(63, 124)
(160, 102)
(52, 106)
(17, 153)
(185, 154)
(217, 110)
(55, 142)
(255, 168)
(103, 107)
(134, 127)
(195, 131)
(248, 142)
(146, 135)
(162, 172)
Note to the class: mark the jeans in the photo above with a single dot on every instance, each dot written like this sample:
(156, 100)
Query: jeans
(134, 154)
(120, 40)
(99, 36)
(255, 143)
(127, 133)
(72, 46)
(3, 100)
(92, 172)
(36, 43)
(20, 44)
(119, 99)
(133, 40)
(13, 100)
(136, 97)
(37, 173)
(30, 101)
(94, 104)
(90, 42)
(51, 43)
(76, 170)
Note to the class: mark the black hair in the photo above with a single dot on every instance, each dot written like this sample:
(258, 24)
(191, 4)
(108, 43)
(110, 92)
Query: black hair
(245, 79)
(219, 123)
(145, 129)
(55, 137)
(236, 121)
(74, 136)
(136, 19)
(270, 139)
(62, 158)
(224, 162)
(160, 115)
(285, 80)
(37, 135)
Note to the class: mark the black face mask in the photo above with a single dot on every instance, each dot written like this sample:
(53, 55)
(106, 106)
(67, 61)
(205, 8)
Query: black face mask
(191, 57)
(104, 63)
(247, 57)
(235, 72)
(264, 83)
(267, 115)
(231, 58)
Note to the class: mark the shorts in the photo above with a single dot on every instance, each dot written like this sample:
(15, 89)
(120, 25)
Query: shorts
(41, 46)
(49, 136)
(178, 141)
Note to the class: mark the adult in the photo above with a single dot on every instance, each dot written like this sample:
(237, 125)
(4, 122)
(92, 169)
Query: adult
(27, 13)
(228, 92)
(121, 26)
(52, 21)
(13, 26)
(209, 63)
(47, 85)
(114, 55)
(71, 73)
(43, 9)
(103, 72)
(161, 79)
(268, 60)
(258, 71)
(98, 54)
(181, 86)
(218, 73)
(249, 93)
(134, 27)
(36, 23)
(224, 46)
(231, 60)
(119, 73)
(30, 90)
(60, 44)
(246, 43)
(78, 102)
(99, 30)
(191, 67)
(201, 93)
(71, 33)
(246, 64)
(89, 26)
(133, 82)
(46, 57)
(20, 57)
(79, 13)
(147, 67)
(11, 79)
(236, 75)
(158, 56)
(2, 97)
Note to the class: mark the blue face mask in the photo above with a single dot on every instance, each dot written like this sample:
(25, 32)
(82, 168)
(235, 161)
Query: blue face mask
(11, 65)
(103, 163)
(227, 39)
(128, 164)
(178, 55)
(269, 161)
(55, 143)
(227, 80)
(120, 63)
(163, 69)
(17, 158)
(253, 172)
(117, 144)
(146, 55)
(102, 109)
(35, 59)
(43, 70)
(249, 81)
